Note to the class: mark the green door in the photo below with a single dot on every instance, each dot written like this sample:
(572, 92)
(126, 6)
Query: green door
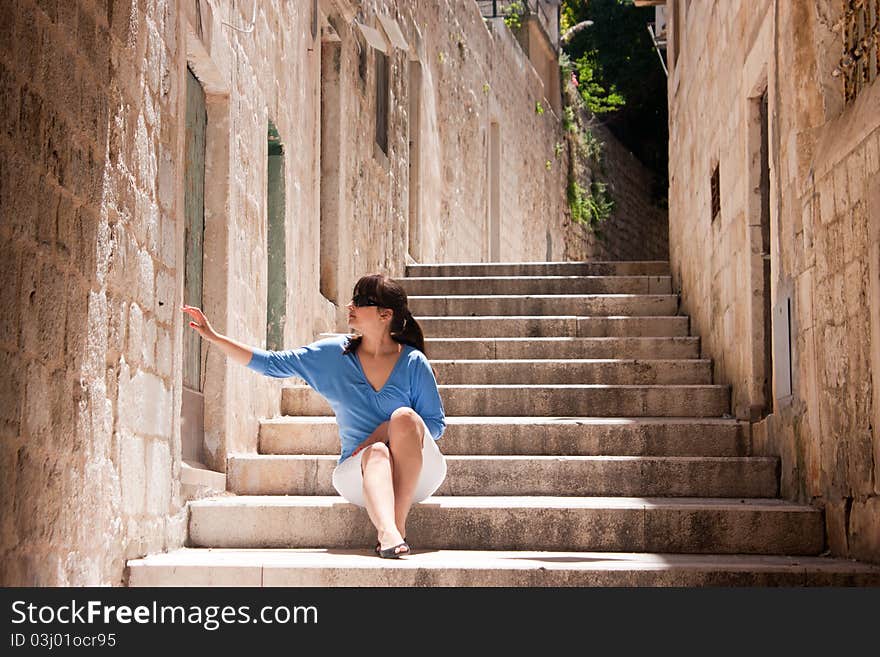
(194, 203)
(192, 411)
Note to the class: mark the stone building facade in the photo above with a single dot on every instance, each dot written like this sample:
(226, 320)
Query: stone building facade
(774, 234)
(315, 141)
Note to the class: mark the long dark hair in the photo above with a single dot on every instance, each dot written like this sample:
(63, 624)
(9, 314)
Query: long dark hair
(389, 294)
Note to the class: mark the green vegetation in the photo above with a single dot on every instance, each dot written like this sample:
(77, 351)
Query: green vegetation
(539, 108)
(589, 207)
(619, 78)
(589, 147)
(568, 122)
(599, 99)
(514, 15)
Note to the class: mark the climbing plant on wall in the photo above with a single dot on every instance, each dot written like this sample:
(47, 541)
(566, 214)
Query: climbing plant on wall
(620, 78)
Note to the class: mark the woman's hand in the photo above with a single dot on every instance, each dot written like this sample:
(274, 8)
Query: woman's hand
(200, 323)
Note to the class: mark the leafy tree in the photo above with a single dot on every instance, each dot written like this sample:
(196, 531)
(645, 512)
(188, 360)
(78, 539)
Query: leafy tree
(620, 77)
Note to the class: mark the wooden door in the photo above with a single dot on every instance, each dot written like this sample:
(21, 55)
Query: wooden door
(192, 409)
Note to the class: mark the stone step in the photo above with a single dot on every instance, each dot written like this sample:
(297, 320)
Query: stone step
(617, 524)
(321, 567)
(540, 436)
(602, 305)
(553, 400)
(561, 347)
(559, 326)
(444, 285)
(609, 268)
(607, 371)
(570, 476)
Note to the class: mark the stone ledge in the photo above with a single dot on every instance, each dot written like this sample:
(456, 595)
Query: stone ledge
(319, 567)
(197, 475)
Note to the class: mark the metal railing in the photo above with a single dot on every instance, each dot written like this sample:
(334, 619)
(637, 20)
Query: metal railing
(659, 40)
(860, 64)
(545, 11)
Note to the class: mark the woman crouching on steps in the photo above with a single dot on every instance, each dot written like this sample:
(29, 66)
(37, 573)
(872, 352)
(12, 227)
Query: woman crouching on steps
(384, 394)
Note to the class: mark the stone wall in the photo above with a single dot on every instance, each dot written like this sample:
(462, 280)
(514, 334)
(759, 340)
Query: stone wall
(637, 228)
(91, 191)
(824, 232)
(89, 446)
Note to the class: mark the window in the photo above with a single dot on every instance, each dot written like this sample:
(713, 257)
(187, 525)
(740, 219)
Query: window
(861, 46)
(314, 18)
(716, 192)
(275, 247)
(362, 58)
(382, 101)
(676, 31)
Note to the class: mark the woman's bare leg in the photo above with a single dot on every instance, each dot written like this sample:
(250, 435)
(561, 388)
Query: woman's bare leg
(379, 493)
(405, 441)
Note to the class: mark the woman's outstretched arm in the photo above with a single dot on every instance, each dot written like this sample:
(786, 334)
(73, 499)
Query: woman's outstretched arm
(237, 351)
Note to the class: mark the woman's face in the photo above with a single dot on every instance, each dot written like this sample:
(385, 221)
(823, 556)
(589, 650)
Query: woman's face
(368, 319)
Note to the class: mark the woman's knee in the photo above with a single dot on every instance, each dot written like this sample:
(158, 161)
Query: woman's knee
(406, 425)
(375, 452)
(405, 415)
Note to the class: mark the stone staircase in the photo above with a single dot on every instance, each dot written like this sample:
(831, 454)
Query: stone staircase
(587, 445)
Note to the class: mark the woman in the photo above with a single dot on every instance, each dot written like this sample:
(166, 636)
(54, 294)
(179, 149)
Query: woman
(384, 394)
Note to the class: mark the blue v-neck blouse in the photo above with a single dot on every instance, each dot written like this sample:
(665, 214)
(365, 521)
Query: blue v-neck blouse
(339, 378)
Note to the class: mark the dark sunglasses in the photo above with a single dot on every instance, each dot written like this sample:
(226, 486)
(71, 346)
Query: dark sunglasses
(361, 300)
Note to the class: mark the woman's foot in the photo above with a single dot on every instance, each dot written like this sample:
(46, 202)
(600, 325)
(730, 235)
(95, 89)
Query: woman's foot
(379, 546)
(395, 551)
(390, 539)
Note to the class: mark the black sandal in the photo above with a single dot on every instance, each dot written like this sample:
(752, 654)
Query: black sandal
(392, 553)
(379, 547)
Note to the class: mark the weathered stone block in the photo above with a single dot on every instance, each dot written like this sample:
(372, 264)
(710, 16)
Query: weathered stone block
(8, 11)
(167, 172)
(826, 201)
(40, 476)
(68, 17)
(158, 477)
(30, 117)
(135, 334)
(37, 418)
(864, 539)
(45, 306)
(166, 296)
(144, 403)
(164, 352)
(836, 527)
(152, 234)
(872, 154)
(121, 259)
(842, 197)
(145, 278)
(10, 267)
(117, 329)
(10, 101)
(29, 23)
(76, 329)
(86, 37)
(47, 215)
(133, 473)
(12, 387)
(148, 344)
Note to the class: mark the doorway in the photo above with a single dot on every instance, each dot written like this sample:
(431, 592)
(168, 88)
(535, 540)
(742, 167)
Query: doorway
(494, 210)
(415, 162)
(192, 414)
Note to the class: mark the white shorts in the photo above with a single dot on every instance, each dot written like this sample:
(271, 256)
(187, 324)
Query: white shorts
(348, 479)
